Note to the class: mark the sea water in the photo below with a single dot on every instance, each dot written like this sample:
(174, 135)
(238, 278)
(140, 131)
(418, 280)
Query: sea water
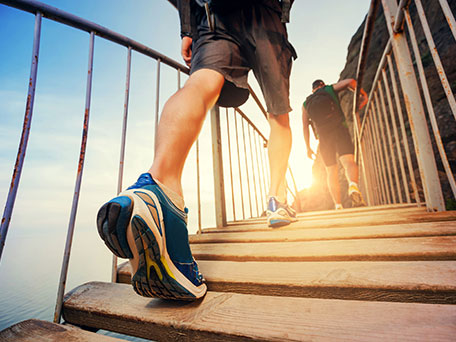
(30, 272)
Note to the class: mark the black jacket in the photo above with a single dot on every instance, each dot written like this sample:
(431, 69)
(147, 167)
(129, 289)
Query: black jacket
(187, 9)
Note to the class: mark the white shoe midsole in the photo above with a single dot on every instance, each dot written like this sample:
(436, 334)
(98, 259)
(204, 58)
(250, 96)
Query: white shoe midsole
(141, 209)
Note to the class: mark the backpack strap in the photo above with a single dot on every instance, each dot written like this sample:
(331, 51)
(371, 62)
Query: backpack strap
(330, 90)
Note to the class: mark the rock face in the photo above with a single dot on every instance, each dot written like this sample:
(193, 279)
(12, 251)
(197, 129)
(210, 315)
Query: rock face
(317, 197)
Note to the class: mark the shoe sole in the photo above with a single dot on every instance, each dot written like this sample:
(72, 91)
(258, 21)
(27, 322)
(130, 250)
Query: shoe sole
(278, 223)
(276, 220)
(357, 200)
(112, 220)
(156, 276)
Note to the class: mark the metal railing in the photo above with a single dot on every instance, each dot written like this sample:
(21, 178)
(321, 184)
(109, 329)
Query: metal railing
(251, 166)
(382, 135)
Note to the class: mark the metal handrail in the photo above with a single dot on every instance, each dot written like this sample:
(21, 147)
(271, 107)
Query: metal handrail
(69, 19)
(25, 136)
(385, 107)
(52, 13)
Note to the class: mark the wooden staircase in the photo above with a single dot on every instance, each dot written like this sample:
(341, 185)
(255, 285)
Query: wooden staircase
(370, 274)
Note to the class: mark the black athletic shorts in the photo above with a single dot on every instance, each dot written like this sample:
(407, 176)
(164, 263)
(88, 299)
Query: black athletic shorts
(335, 142)
(251, 38)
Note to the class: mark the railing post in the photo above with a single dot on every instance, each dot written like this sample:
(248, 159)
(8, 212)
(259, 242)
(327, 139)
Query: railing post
(219, 184)
(25, 135)
(77, 187)
(415, 110)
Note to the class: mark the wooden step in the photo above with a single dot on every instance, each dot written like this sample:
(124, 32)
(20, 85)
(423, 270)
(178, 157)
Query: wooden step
(416, 281)
(346, 218)
(416, 248)
(240, 317)
(34, 330)
(372, 232)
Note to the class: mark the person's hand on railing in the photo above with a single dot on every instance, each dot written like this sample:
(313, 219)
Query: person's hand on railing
(186, 49)
(363, 98)
(311, 154)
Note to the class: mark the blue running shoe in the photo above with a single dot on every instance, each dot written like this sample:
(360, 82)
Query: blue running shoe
(279, 214)
(142, 224)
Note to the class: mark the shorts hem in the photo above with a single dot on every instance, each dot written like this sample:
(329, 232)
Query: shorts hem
(220, 71)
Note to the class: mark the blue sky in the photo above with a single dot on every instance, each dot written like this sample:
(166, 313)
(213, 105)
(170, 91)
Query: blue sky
(319, 30)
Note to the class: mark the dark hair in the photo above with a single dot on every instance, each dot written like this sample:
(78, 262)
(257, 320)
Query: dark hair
(317, 83)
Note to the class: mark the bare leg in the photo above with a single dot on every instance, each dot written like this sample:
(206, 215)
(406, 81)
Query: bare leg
(352, 174)
(351, 168)
(333, 183)
(181, 121)
(279, 147)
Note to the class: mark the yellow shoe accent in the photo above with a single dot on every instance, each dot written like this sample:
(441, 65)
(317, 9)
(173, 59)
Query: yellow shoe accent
(165, 264)
(150, 262)
(352, 189)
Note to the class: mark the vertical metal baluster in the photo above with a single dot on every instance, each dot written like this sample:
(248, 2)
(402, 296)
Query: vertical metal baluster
(379, 155)
(246, 166)
(178, 78)
(253, 171)
(363, 166)
(389, 183)
(384, 124)
(231, 166)
(388, 128)
(415, 110)
(74, 207)
(380, 175)
(268, 171)
(157, 101)
(217, 165)
(124, 123)
(260, 181)
(435, 56)
(24, 137)
(370, 168)
(396, 137)
(381, 149)
(263, 169)
(376, 175)
(449, 16)
(239, 164)
(403, 133)
(364, 186)
(371, 155)
(430, 108)
(198, 187)
(122, 149)
(366, 183)
(367, 168)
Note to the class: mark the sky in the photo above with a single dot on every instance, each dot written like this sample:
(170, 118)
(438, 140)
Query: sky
(319, 30)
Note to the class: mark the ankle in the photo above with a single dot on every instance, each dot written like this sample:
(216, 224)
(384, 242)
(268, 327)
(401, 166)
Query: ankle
(176, 198)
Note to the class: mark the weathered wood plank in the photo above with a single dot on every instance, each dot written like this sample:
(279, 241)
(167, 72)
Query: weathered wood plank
(34, 330)
(372, 232)
(419, 248)
(411, 281)
(239, 317)
(347, 219)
